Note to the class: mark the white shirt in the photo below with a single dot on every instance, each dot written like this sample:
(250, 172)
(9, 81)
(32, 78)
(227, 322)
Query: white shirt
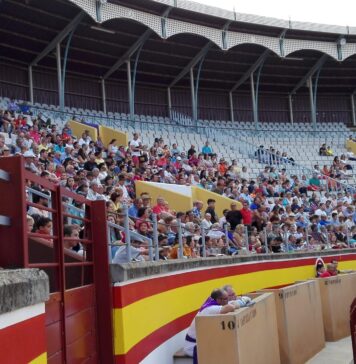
(209, 311)
(82, 141)
(35, 211)
(121, 255)
(94, 196)
(206, 225)
(135, 144)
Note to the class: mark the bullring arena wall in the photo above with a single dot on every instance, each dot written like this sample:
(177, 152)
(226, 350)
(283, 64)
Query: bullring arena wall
(22, 316)
(154, 304)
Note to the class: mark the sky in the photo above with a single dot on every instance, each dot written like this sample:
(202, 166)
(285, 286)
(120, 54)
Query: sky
(340, 12)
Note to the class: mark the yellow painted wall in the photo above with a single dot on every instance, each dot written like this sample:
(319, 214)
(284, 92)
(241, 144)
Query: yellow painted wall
(221, 204)
(180, 202)
(176, 200)
(107, 134)
(167, 306)
(79, 128)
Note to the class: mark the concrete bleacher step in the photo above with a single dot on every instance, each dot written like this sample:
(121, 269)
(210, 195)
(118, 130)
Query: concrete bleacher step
(180, 357)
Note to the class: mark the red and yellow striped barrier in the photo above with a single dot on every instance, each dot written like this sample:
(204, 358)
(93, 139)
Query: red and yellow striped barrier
(150, 311)
(22, 336)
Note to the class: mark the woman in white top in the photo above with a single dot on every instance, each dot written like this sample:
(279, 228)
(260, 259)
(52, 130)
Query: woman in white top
(112, 148)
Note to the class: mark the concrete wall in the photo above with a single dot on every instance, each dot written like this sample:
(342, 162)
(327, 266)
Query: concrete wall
(22, 316)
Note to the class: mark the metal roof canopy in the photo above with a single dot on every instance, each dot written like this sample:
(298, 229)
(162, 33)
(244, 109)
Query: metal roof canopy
(161, 58)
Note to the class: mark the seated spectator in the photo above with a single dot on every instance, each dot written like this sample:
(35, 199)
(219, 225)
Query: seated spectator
(329, 151)
(322, 150)
(330, 271)
(207, 149)
(234, 216)
(320, 269)
(174, 252)
(276, 244)
(314, 183)
(30, 223)
(138, 249)
(72, 232)
(40, 200)
(217, 303)
(44, 226)
(160, 207)
(164, 252)
(206, 222)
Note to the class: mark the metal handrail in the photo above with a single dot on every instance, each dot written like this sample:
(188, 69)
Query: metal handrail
(172, 122)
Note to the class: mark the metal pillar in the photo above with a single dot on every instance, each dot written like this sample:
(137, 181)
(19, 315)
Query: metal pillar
(254, 103)
(103, 94)
(353, 110)
(129, 84)
(312, 103)
(192, 89)
(169, 96)
(290, 102)
(30, 83)
(131, 79)
(231, 102)
(64, 68)
(59, 76)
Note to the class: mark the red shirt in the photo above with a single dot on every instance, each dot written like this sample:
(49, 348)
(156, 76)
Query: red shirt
(326, 274)
(158, 209)
(35, 136)
(246, 216)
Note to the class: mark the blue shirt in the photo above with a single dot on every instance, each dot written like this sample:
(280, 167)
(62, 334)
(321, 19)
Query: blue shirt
(133, 211)
(207, 150)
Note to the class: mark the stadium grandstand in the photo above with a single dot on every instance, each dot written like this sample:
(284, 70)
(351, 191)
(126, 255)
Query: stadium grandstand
(155, 149)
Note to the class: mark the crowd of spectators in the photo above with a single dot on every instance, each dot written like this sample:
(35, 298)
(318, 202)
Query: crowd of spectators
(340, 171)
(280, 212)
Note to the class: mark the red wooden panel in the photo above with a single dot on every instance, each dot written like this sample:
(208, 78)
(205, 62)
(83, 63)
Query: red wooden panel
(79, 299)
(79, 324)
(82, 349)
(54, 340)
(72, 315)
(55, 358)
(53, 307)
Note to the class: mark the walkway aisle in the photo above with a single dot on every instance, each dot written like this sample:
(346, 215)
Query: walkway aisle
(339, 352)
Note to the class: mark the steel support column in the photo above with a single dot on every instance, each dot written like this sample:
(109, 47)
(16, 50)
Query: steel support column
(169, 97)
(231, 103)
(254, 101)
(312, 104)
(290, 103)
(353, 109)
(59, 76)
(64, 68)
(30, 83)
(129, 85)
(192, 89)
(103, 94)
